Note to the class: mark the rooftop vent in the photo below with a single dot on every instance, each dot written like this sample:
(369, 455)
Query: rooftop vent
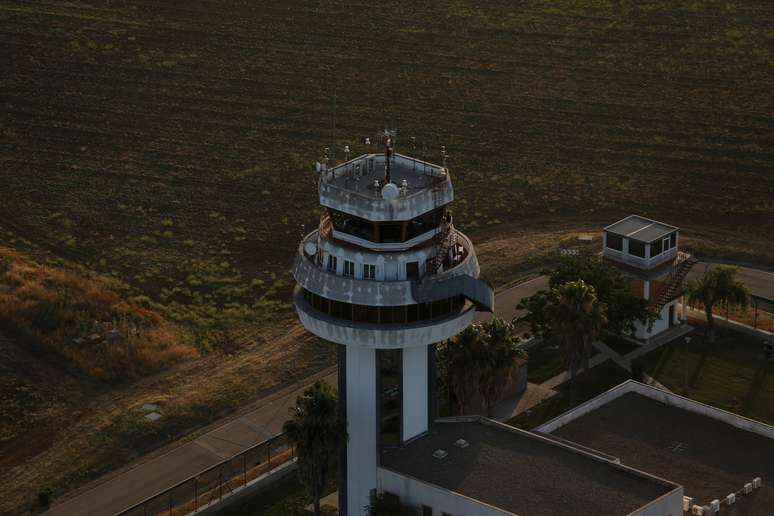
(461, 443)
(697, 510)
(757, 482)
(715, 505)
(440, 454)
(731, 499)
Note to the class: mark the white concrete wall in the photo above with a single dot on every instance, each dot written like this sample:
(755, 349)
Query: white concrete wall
(415, 417)
(418, 493)
(668, 398)
(659, 325)
(361, 427)
(671, 504)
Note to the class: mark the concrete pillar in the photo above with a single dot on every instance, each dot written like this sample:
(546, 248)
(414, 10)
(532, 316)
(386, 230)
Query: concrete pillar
(361, 427)
(684, 313)
(415, 392)
(646, 290)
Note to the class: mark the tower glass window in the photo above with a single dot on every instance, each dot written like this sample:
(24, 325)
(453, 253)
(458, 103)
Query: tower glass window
(391, 233)
(332, 263)
(369, 271)
(349, 268)
(412, 270)
(424, 223)
(390, 371)
(352, 225)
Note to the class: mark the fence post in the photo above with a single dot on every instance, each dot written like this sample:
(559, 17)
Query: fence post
(170, 502)
(220, 485)
(196, 494)
(244, 467)
(268, 456)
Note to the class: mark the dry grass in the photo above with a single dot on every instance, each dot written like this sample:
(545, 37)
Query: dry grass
(88, 324)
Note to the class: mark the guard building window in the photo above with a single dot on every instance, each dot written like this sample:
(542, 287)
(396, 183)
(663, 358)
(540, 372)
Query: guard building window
(349, 268)
(412, 270)
(657, 248)
(636, 248)
(332, 263)
(614, 242)
(369, 271)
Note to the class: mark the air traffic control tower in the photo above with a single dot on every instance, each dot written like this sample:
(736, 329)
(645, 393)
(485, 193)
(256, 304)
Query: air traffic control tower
(386, 276)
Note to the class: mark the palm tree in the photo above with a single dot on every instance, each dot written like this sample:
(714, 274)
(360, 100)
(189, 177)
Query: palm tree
(459, 357)
(497, 360)
(718, 285)
(317, 433)
(576, 318)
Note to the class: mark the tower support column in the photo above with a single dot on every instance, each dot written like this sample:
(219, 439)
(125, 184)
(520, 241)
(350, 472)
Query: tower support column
(362, 447)
(415, 391)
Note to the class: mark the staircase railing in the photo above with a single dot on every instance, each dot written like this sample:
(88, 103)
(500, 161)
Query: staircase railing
(680, 268)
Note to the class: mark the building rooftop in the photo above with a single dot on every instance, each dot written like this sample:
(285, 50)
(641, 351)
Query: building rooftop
(709, 457)
(524, 473)
(358, 175)
(349, 187)
(640, 228)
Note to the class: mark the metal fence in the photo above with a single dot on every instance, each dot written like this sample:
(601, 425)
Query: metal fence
(212, 484)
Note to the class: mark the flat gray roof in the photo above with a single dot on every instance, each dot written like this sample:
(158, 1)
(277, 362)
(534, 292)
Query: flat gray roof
(523, 473)
(708, 457)
(640, 228)
(419, 175)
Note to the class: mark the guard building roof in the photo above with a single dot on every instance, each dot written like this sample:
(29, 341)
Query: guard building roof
(640, 228)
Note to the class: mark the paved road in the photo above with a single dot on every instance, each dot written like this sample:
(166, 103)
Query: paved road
(158, 473)
(760, 283)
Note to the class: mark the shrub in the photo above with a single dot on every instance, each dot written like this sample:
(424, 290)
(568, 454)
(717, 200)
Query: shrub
(90, 325)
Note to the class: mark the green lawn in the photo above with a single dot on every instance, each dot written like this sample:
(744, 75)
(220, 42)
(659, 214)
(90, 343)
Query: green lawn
(730, 374)
(596, 381)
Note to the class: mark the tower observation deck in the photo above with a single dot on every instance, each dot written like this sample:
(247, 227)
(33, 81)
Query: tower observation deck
(385, 276)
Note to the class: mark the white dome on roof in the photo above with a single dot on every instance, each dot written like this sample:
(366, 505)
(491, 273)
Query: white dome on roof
(390, 191)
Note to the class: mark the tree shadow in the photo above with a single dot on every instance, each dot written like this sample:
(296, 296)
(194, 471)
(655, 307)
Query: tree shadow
(699, 366)
(665, 358)
(755, 387)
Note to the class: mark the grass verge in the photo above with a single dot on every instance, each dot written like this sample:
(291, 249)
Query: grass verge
(730, 374)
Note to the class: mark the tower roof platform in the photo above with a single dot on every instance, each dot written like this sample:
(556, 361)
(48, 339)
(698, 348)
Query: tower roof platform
(640, 228)
(418, 187)
(525, 473)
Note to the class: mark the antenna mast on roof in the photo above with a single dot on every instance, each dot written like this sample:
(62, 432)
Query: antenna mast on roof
(387, 155)
(333, 127)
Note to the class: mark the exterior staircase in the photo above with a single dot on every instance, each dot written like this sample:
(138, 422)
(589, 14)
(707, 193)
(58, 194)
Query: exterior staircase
(448, 241)
(674, 281)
